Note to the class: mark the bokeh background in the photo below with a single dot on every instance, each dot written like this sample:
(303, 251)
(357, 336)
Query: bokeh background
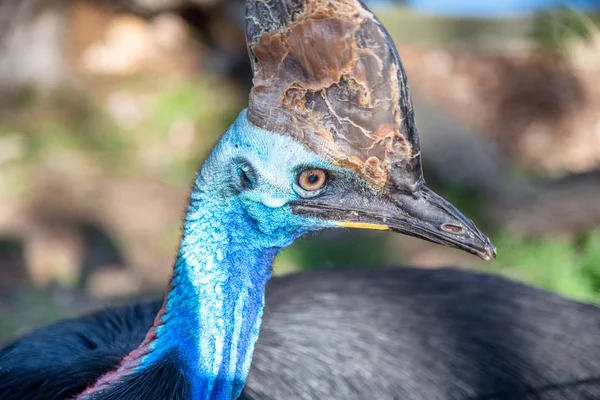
(107, 109)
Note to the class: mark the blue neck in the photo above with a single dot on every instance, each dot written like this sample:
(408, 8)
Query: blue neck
(215, 303)
(213, 310)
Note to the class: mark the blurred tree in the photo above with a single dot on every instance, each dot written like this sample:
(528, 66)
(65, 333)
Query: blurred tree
(494, 8)
(558, 28)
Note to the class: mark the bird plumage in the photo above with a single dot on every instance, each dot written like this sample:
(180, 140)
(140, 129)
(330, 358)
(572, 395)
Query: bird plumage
(388, 334)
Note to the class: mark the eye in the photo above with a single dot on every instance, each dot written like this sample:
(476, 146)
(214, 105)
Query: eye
(312, 179)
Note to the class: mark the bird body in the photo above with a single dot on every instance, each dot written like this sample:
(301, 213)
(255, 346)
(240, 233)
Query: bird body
(203, 335)
(328, 141)
(403, 333)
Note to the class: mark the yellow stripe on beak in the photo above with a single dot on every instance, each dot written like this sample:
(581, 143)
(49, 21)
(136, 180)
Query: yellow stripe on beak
(364, 225)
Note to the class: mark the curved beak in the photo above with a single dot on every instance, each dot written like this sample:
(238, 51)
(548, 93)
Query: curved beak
(422, 214)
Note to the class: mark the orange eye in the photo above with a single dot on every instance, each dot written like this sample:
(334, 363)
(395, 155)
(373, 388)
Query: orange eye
(312, 179)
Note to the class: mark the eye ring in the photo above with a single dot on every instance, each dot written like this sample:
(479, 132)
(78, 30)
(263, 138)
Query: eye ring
(312, 179)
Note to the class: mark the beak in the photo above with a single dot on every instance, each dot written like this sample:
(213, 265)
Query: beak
(422, 214)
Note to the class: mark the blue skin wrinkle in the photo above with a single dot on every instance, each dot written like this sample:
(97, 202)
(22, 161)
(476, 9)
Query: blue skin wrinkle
(230, 238)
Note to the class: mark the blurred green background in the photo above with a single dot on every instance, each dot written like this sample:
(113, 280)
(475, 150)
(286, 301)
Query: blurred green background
(107, 109)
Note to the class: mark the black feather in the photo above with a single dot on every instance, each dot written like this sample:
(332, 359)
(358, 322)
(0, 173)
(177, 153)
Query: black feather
(61, 360)
(162, 380)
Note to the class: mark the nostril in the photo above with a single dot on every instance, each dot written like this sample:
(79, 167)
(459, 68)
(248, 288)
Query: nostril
(452, 228)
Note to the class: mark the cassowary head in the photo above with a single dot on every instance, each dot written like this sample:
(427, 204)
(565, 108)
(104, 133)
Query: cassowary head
(329, 138)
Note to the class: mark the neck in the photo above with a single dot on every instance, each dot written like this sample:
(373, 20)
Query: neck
(213, 309)
(211, 316)
(212, 312)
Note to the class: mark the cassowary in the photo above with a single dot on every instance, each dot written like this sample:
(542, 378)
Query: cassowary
(328, 141)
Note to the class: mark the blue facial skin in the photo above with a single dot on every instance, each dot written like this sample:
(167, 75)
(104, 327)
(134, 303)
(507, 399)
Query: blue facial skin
(237, 222)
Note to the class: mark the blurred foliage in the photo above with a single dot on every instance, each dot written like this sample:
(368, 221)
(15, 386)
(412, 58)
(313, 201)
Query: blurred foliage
(554, 29)
(559, 28)
(407, 26)
(335, 249)
(65, 124)
(568, 266)
(76, 123)
(26, 309)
